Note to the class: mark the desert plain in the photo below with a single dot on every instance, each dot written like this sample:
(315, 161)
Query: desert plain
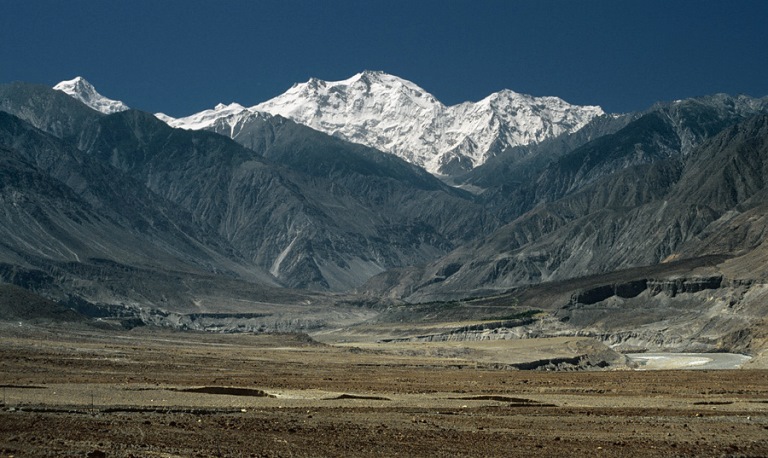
(81, 392)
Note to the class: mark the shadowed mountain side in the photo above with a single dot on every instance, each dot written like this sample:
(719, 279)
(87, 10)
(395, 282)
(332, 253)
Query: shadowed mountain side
(52, 111)
(303, 149)
(733, 184)
(137, 226)
(318, 213)
(342, 170)
(107, 238)
(330, 217)
(730, 169)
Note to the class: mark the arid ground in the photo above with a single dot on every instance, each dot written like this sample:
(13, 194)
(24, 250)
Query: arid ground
(153, 393)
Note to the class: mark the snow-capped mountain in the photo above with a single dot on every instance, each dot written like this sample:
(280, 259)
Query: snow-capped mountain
(84, 91)
(397, 116)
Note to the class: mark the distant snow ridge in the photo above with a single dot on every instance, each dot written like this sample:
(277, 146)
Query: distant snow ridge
(204, 119)
(84, 91)
(397, 116)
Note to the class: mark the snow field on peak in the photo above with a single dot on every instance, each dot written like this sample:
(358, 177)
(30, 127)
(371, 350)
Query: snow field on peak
(399, 117)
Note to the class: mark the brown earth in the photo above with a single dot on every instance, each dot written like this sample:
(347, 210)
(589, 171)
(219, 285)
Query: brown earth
(154, 393)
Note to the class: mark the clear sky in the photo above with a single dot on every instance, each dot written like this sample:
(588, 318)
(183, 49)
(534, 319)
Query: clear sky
(181, 57)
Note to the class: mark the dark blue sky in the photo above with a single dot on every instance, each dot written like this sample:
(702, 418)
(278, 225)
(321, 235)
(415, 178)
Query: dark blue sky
(184, 56)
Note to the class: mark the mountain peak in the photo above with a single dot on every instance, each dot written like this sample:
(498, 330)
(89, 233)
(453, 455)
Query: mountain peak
(395, 115)
(76, 82)
(375, 75)
(79, 88)
(383, 79)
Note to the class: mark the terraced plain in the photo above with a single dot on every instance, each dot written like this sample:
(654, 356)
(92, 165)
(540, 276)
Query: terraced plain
(154, 393)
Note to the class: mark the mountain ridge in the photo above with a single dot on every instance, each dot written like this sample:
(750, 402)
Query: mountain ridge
(317, 211)
(396, 116)
(634, 189)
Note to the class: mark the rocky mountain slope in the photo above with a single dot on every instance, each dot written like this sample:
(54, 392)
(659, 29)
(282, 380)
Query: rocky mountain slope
(702, 287)
(636, 197)
(340, 214)
(396, 116)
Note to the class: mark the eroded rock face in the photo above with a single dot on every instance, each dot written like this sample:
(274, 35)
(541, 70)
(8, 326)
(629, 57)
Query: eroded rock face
(601, 293)
(706, 313)
(669, 287)
(684, 285)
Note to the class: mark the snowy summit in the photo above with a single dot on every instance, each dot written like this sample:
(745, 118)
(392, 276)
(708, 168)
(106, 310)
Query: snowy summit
(396, 116)
(399, 117)
(84, 91)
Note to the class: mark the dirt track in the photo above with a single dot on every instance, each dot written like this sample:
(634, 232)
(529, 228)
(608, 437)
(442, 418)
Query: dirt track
(167, 394)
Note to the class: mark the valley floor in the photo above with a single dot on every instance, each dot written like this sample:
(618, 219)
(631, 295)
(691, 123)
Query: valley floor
(83, 392)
